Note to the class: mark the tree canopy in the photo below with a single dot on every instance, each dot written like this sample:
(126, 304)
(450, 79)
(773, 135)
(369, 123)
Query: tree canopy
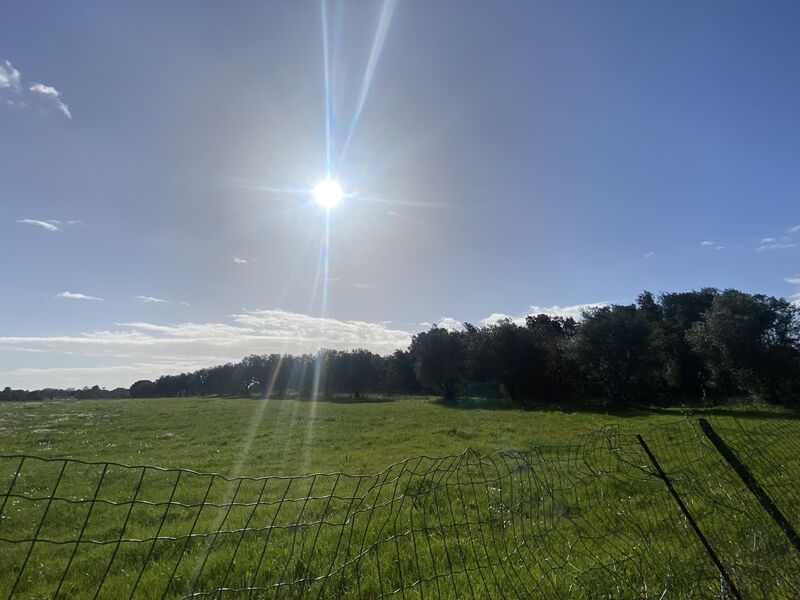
(673, 348)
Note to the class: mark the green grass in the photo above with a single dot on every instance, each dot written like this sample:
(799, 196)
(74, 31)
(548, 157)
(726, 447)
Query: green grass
(587, 520)
(289, 437)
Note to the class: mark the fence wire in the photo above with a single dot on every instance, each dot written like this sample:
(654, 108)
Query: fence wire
(587, 520)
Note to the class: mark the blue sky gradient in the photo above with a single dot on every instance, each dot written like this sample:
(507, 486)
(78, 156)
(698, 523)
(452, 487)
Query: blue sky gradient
(507, 155)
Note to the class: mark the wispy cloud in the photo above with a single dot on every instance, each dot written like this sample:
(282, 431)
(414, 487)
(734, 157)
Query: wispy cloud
(77, 296)
(10, 77)
(706, 243)
(151, 300)
(794, 229)
(13, 93)
(240, 261)
(649, 254)
(776, 246)
(53, 95)
(794, 279)
(48, 225)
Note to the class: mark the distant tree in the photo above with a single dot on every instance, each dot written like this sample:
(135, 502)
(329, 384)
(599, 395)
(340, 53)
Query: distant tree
(356, 372)
(561, 379)
(440, 360)
(611, 344)
(144, 388)
(514, 359)
(753, 341)
(683, 371)
(399, 373)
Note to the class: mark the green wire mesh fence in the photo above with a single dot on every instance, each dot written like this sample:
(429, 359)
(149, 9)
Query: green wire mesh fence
(592, 519)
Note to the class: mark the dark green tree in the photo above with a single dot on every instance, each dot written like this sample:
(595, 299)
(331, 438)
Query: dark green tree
(440, 360)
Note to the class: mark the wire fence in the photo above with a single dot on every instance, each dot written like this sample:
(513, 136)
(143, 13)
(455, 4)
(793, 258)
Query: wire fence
(592, 519)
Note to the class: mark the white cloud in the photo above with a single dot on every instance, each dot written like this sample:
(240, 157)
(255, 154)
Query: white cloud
(77, 296)
(9, 77)
(794, 280)
(450, 324)
(151, 300)
(48, 225)
(239, 261)
(649, 254)
(53, 95)
(706, 243)
(575, 311)
(719, 248)
(768, 240)
(776, 246)
(155, 349)
(495, 318)
(794, 229)
(144, 350)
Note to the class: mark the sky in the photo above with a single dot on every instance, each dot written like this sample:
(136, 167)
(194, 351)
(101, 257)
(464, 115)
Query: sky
(497, 158)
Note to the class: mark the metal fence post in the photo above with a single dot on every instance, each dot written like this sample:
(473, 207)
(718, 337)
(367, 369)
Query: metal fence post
(663, 476)
(751, 482)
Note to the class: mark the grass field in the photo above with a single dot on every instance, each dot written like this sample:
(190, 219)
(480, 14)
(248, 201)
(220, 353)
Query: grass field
(289, 437)
(586, 520)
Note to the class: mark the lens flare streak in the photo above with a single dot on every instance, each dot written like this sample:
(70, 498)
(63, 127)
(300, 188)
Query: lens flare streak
(374, 57)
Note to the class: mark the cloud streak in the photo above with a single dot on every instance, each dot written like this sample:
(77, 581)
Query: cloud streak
(77, 296)
(48, 225)
(11, 84)
(775, 246)
(53, 95)
(151, 300)
(10, 77)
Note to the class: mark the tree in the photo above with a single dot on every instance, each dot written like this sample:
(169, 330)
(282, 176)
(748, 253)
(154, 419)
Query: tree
(611, 344)
(399, 373)
(440, 360)
(683, 371)
(752, 341)
(562, 375)
(514, 359)
(144, 388)
(357, 371)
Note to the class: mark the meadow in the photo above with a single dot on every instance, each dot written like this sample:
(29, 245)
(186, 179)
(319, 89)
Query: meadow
(568, 508)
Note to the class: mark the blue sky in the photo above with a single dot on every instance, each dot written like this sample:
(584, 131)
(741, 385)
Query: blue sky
(502, 156)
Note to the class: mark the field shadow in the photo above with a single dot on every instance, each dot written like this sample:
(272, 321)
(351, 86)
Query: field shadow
(622, 411)
(727, 411)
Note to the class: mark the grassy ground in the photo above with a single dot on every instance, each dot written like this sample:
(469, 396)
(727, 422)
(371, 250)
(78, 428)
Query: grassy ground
(289, 437)
(587, 520)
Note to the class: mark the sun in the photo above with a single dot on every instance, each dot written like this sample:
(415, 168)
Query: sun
(327, 193)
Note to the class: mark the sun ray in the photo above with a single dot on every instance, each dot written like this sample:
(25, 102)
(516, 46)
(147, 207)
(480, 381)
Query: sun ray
(327, 77)
(387, 10)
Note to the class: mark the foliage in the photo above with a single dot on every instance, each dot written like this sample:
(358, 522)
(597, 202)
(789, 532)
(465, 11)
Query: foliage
(701, 345)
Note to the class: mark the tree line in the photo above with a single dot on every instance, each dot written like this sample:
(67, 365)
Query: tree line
(673, 348)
